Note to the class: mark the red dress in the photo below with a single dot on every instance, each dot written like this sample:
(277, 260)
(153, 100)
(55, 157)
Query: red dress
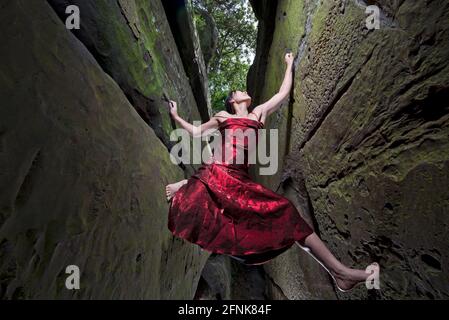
(223, 211)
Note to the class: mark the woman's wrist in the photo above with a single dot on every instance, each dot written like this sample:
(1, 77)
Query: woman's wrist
(176, 117)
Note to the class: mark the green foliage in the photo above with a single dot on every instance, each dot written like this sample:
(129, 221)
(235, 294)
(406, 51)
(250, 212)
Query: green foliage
(237, 27)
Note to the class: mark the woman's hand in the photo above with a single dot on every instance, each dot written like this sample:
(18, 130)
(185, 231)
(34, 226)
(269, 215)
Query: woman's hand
(276, 101)
(289, 58)
(173, 108)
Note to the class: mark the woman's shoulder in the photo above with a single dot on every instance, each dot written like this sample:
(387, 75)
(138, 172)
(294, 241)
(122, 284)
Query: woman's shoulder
(221, 115)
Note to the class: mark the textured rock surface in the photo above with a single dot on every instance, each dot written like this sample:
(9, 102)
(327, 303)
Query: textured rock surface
(224, 278)
(295, 275)
(265, 12)
(367, 138)
(133, 43)
(179, 15)
(248, 282)
(216, 279)
(208, 35)
(364, 148)
(81, 175)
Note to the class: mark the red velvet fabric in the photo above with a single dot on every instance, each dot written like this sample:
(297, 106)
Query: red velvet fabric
(223, 211)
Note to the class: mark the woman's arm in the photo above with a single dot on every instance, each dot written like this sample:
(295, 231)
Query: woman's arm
(194, 131)
(275, 102)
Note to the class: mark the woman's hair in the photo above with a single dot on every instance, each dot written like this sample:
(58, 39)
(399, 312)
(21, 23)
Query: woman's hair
(228, 103)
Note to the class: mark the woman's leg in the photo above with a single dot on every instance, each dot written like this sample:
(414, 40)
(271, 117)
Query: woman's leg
(346, 277)
(171, 189)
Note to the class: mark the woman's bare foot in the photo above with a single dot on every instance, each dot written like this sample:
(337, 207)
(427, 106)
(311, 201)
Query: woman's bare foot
(348, 278)
(171, 189)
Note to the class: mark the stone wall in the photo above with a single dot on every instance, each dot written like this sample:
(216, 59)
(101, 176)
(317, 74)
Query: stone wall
(82, 175)
(365, 137)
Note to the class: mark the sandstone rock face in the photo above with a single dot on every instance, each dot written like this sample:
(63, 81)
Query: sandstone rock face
(224, 278)
(82, 176)
(365, 137)
(133, 43)
(179, 15)
(265, 12)
(216, 279)
(208, 35)
(84, 139)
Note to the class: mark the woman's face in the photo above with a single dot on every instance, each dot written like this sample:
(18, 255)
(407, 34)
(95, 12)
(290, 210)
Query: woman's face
(240, 96)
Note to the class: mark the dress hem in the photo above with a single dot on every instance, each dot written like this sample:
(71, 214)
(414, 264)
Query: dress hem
(226, 252)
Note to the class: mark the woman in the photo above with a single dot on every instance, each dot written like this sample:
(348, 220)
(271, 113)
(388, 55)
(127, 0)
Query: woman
(223, 211)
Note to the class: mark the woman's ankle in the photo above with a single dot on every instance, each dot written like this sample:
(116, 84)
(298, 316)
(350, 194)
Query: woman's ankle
(341, 271)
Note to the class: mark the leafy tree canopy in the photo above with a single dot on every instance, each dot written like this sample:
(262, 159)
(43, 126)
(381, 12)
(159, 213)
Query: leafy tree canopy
(237, 33)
